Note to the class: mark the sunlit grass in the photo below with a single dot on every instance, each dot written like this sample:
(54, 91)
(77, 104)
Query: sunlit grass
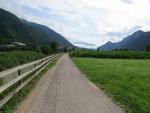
(126, 81)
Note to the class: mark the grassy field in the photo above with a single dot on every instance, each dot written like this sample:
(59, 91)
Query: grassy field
(126, 81)
(111, 54)
(15, 58)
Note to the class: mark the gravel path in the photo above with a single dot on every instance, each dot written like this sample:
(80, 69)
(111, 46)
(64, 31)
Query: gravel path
(64, 89)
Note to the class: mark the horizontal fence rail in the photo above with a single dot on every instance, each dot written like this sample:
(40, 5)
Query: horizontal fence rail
(19, 73)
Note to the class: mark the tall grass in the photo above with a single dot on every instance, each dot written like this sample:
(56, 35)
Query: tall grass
(15, 58)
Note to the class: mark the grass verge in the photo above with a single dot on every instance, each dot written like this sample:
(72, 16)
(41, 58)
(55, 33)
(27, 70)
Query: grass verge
(11, 105)
(15, 58)
(126, 81)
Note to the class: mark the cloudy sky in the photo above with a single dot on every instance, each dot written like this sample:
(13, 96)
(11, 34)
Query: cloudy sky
(88, 23)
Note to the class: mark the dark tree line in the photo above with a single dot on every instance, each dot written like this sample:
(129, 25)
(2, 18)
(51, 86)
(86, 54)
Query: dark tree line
(147, 48)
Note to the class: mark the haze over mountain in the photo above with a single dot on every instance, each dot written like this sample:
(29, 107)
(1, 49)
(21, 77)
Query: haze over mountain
(14, 29)
(136, 42)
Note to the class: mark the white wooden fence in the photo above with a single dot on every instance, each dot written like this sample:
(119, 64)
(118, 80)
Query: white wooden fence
(17, 74)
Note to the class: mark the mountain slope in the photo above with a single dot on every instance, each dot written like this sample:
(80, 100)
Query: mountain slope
(14, 29)
(136, 42)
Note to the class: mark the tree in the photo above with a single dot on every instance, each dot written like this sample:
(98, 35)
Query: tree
(147, 48)
(45, 50)
(64, 49)
(120, 49)
(53, 46)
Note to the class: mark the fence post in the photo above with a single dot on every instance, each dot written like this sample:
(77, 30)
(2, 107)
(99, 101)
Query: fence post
(47, 60)
(19, 73)
(35, 65)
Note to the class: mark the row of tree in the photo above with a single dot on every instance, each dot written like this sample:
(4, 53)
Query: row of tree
(147, 48)
(52, 48)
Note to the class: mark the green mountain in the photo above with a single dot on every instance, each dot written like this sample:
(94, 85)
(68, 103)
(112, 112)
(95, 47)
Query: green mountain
(138, 41)
(14, 29)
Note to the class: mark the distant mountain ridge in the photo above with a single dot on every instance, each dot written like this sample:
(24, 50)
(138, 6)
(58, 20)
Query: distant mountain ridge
(14, 29)
(135, 42)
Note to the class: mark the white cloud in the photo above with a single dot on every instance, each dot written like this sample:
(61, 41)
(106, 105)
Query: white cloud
(85, 20)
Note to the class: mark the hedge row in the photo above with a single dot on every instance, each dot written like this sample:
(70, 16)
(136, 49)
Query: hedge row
(111, 54)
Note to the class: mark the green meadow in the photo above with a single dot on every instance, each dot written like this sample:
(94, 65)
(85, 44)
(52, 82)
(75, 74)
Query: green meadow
(126, 81)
